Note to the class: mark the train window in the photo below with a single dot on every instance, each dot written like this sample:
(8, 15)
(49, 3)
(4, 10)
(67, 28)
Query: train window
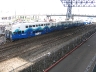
(48, 23)
(41, 24)
(33, 25)
(30, 25)
(36, 25)
(22, 31)
(26, 26)
(19, 32)
(14, 32)
(44, 24)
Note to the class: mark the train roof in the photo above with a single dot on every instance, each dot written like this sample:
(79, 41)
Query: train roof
(27, 23)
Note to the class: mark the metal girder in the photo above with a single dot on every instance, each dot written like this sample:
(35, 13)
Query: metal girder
(69, 10)
(76, 3)
(79, 3)
(73, 15)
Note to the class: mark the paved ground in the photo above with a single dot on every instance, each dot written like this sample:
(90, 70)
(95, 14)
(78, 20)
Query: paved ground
(79, 60)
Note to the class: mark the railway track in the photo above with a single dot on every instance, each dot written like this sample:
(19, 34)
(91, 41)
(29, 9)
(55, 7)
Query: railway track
(13, 52)
(10, 44)
(34, 52)
(21, 51)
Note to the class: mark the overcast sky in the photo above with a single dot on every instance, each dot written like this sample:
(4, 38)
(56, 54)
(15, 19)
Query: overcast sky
(8, 7)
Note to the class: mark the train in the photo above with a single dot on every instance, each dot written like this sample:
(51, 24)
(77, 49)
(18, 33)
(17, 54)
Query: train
(21, 30)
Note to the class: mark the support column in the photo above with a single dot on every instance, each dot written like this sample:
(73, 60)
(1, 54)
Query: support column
(69, 10)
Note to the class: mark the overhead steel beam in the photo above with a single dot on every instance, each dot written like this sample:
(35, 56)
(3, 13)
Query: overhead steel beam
(79, 3)
(74, 15)
(76, 3)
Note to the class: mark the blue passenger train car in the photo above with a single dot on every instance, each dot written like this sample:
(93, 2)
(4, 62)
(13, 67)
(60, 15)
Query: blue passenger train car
(30, 29)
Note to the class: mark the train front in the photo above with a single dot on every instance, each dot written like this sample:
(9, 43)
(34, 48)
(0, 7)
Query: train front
(8, 32)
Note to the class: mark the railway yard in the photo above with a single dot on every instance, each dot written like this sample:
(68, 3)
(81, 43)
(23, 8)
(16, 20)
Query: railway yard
(48, 36)
(26, 54)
